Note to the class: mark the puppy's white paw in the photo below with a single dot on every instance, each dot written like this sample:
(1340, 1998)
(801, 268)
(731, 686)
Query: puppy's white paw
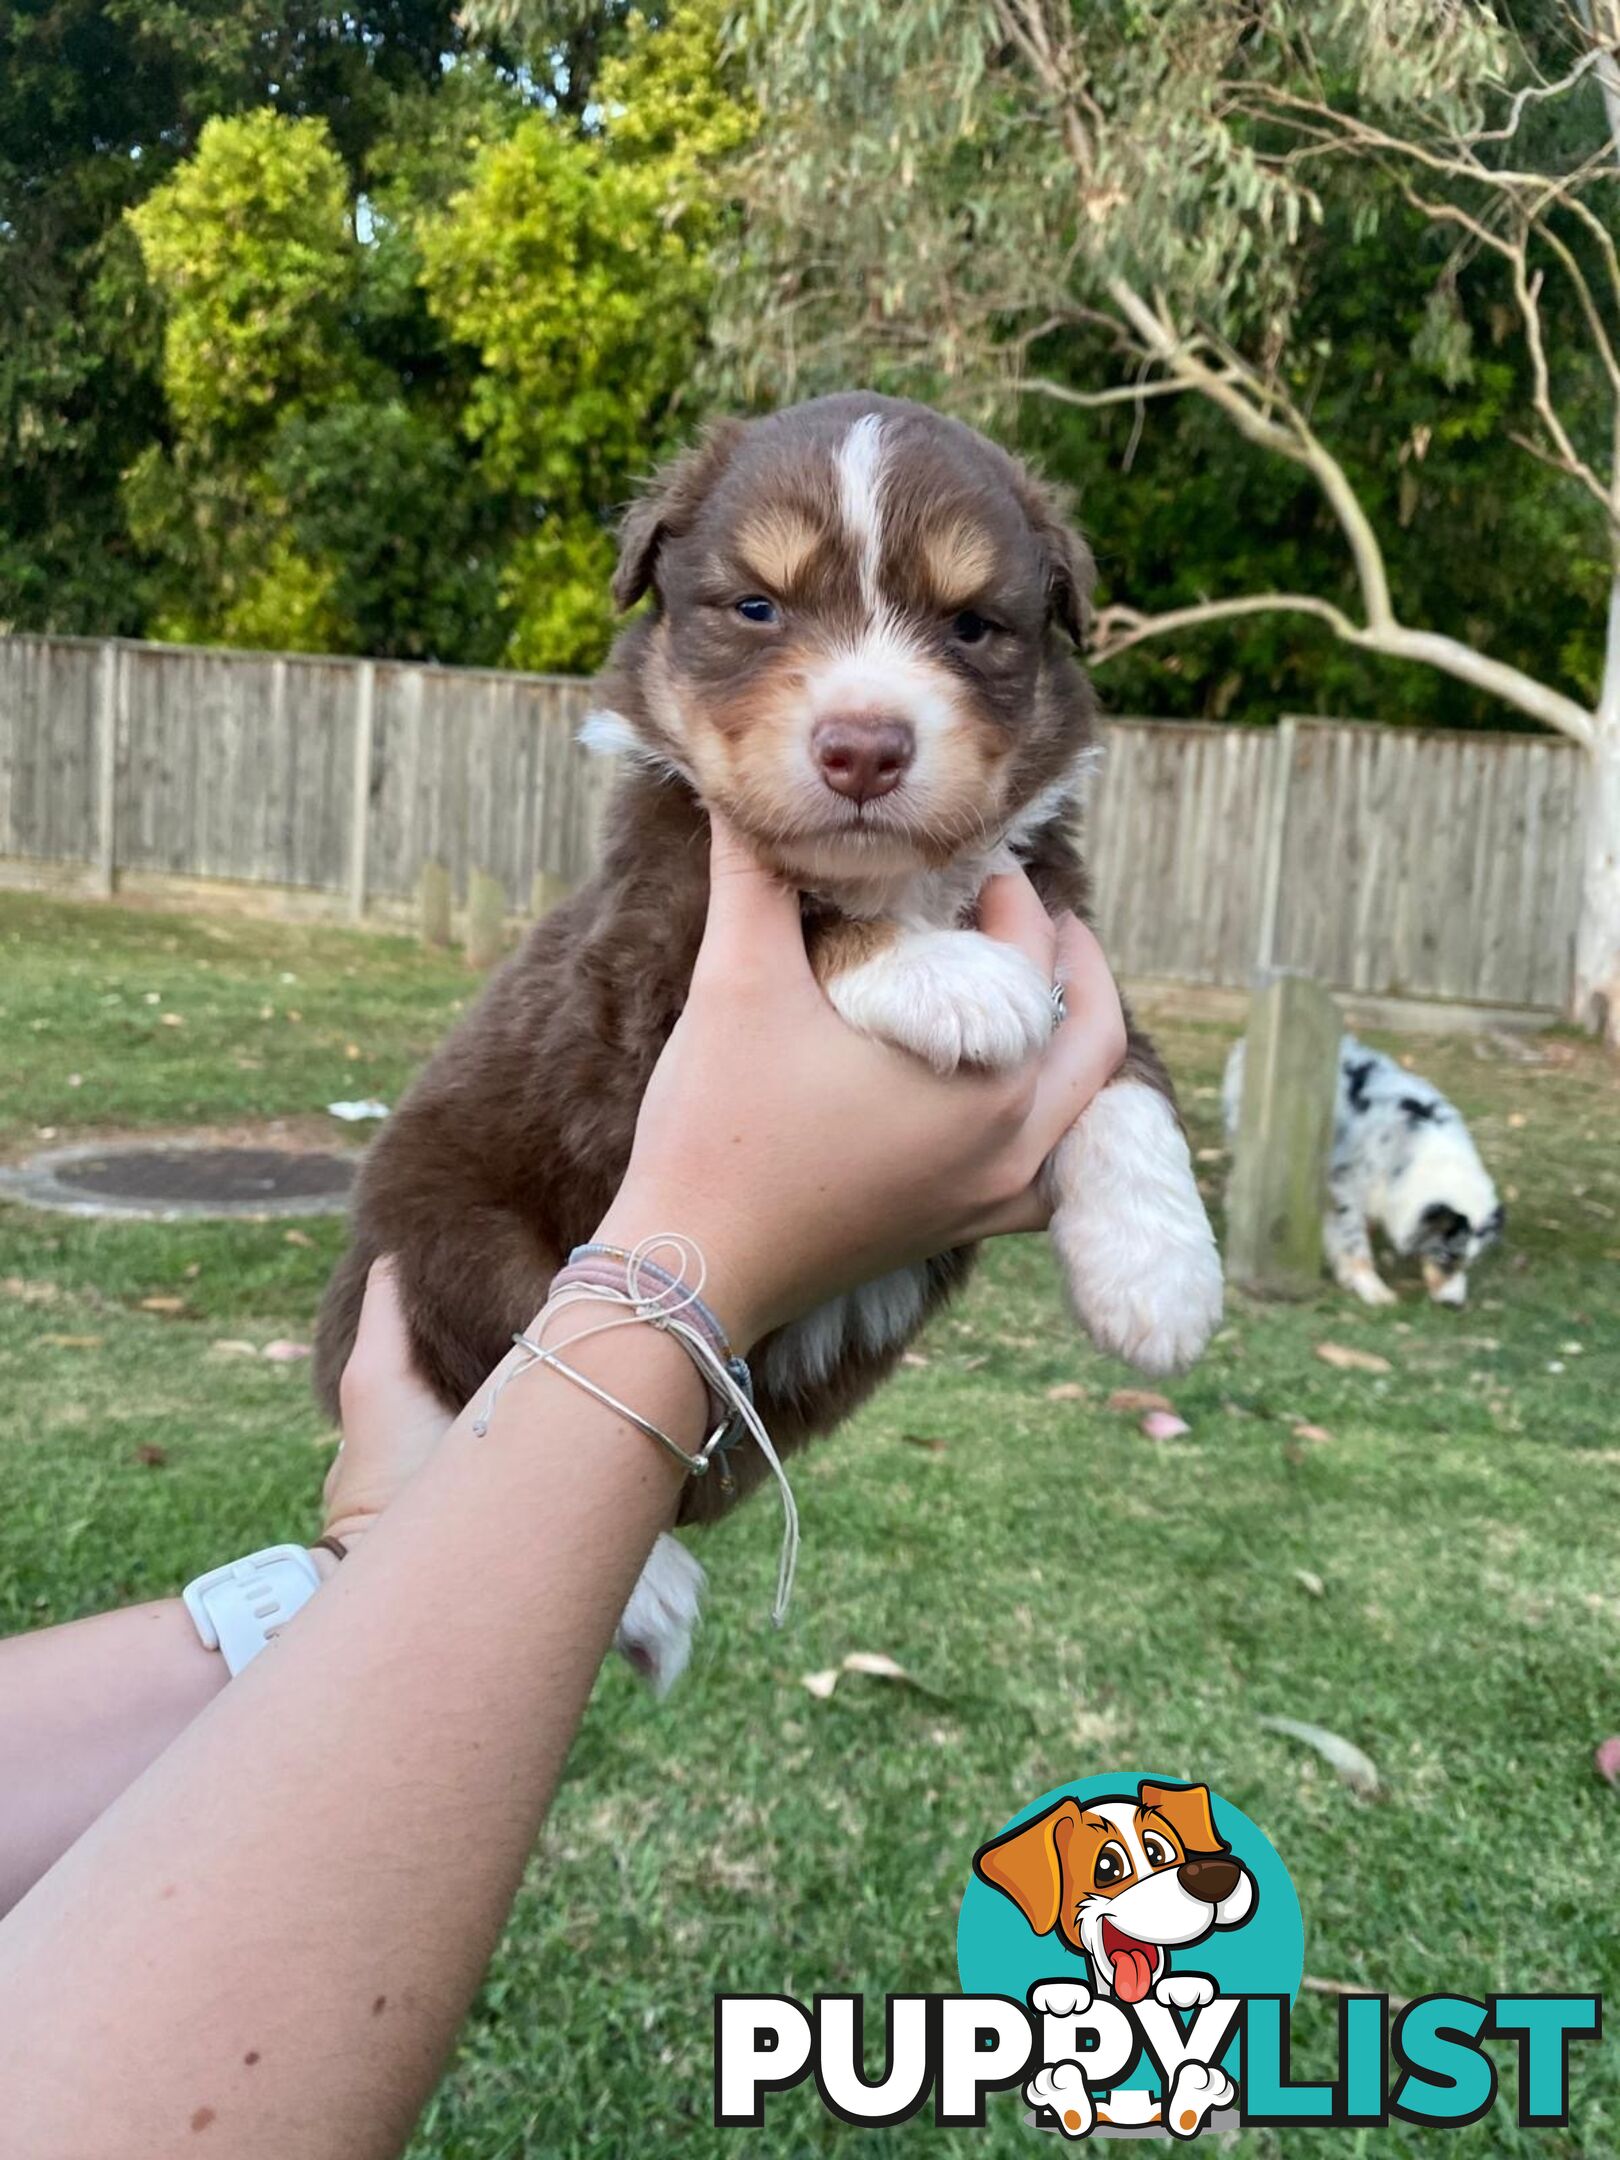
(1185, 1991)
(656, 1629)
(1369, 1286)
(951, 997)
(1130, 1231)
(1199, 2089)
(1060, 1998)
(1064, 2090)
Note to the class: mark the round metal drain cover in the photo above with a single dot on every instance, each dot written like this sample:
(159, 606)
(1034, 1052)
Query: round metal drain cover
(165, 1180)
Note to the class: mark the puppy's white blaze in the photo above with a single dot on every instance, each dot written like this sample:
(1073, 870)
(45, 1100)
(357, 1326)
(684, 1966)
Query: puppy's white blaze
(861, 459)
(1062, 2087)
(1198, 2089)
(656, 1628)
(884, 669)
(1130, 1231)
(951, 997)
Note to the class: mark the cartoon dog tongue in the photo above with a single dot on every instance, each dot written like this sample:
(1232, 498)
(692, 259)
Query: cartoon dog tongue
(1133, 1963)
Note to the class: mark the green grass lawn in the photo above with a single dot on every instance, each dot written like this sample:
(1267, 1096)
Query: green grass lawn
(1071, 1596)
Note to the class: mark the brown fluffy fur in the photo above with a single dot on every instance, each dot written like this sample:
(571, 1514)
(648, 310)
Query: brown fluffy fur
(509, 1146)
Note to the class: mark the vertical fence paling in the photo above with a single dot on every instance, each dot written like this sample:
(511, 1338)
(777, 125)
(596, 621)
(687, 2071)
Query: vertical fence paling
(1382, 860)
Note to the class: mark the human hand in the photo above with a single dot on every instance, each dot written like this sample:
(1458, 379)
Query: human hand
(802, 1157)
(392, 1420)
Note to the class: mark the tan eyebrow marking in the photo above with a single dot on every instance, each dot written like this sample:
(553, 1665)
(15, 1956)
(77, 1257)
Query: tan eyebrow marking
(958, 558)
(776, 544)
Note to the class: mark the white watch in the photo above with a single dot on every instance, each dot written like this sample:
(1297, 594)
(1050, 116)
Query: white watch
(237, 1608)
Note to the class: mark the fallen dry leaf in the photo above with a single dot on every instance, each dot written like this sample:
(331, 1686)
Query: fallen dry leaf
(875, 1665)
(282, 1352)
(1344, 1358)
(150, 1456)
(1310, 1582)
(234, 1346)
(1164, 1425)
(29, 1293)
(1130, 1398)
(1318, 1433)
(163, 1304)
(1607, 1759)
(913, 1357)
(296, 1237)
(925, 1441)
(1357, 1770)
(71, 1342)
(1066, 1391)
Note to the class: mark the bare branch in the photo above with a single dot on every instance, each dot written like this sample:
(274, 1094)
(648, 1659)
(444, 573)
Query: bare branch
(1527, 292)
(1091, 400)
(1118, 629)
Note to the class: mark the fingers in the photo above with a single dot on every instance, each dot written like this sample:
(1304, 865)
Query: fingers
(753, 920)
(1012, 912)
(1086, 1051)
(381, 1334)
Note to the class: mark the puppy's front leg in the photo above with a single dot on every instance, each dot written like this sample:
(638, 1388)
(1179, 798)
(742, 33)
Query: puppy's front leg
(951, 997)
(1138, 1256)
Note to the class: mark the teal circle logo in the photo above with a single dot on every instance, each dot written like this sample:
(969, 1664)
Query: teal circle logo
(1118, 1882)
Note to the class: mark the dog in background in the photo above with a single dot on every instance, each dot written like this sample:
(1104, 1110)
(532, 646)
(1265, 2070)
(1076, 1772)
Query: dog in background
(1403, 1163)
(861, 648)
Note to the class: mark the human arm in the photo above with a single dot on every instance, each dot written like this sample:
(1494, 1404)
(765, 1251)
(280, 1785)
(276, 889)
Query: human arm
(85, 1707)
(275, 1932)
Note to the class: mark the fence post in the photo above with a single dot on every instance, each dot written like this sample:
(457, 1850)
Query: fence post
(435, 904)
(1285, 1129)
(106, 864)
(365, 708)
(1275, 835)
(486, 919)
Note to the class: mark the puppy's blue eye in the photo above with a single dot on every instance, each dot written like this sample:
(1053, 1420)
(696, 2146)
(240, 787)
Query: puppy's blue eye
(970, 629)
(756, 608)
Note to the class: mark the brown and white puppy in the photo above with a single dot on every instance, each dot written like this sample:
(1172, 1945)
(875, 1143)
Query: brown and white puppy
(861, 649)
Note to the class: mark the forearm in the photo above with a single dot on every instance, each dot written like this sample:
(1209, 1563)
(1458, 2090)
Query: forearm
(279, 1926)
(84, 1709)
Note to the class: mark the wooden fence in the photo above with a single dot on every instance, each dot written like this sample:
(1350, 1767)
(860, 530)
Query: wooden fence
(1385, 861)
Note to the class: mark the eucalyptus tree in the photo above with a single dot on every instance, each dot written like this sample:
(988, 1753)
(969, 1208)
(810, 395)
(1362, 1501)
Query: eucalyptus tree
(954, 189)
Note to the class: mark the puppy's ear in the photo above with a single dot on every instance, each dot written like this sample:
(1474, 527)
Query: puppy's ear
(1070, 571)
(666, 508)
(1186, 1809)
(1027, 1864)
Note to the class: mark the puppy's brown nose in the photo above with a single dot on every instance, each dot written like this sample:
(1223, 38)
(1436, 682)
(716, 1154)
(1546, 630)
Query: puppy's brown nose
(863, 758)
(1208, 1880)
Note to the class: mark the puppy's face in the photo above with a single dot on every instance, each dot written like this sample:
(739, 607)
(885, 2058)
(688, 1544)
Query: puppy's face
(862, 650)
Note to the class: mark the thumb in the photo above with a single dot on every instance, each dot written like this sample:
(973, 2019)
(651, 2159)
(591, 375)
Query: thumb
(753, 918)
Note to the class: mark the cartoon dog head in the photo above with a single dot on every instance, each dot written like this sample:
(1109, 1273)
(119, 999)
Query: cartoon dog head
(1123, 1880)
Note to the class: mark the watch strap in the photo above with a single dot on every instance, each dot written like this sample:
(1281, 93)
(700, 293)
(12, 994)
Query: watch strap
(241, 1606)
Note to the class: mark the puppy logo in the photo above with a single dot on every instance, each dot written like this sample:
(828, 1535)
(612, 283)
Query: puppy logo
(1123, 1880)
(1133, 1925)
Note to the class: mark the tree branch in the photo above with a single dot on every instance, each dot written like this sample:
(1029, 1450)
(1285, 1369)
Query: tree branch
(1119, 628)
